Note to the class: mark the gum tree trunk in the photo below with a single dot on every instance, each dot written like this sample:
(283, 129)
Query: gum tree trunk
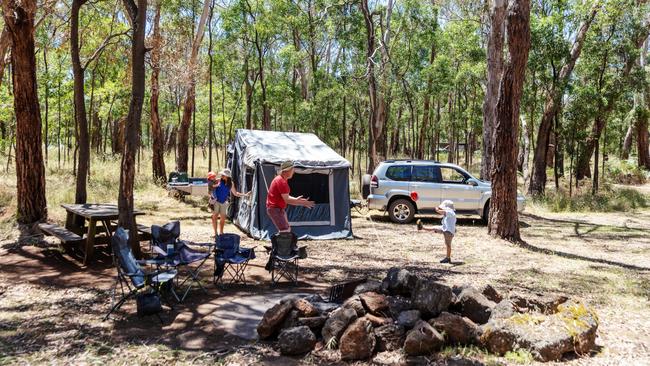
(30, 170)
(158, 144)
(503, 219)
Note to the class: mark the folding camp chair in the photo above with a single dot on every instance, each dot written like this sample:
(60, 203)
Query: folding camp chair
(181, 256)
(132, 280)
(230, 259)
(283, 261)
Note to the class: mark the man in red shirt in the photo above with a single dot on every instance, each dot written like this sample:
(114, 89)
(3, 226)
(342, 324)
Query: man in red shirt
(278, 198)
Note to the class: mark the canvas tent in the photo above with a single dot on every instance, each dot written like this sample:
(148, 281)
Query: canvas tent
(321, 174)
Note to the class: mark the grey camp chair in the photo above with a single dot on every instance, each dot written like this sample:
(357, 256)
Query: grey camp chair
(132, 280)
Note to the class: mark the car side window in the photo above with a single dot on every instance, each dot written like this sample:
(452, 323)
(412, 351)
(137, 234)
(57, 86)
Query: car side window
(424, 173)
(399, 173)
(451, 175)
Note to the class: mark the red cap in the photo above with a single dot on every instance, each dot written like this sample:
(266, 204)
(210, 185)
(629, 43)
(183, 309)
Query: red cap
(212, 175)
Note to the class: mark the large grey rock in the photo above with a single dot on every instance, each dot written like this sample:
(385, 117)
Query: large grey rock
(399, 282)
(408, 318)
(296, 341)
(431, 298)
(358, 341)
(397, 304)
(368, 286)
(456, 329)
(547, 337)
(325, 307)
(291, 320)
(503, 310)
(336, 324)
(423, 339)
(374, 303)
(354, 302)
(315, 323)
(475, 305)
(273, 318)
(390, 337)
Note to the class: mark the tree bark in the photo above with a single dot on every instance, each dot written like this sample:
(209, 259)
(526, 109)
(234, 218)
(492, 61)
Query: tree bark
(79, 104)
(5, 42)
(189, 104)
(30, 170)
(503, 218)
(494, 74)
(158, 144)
(627, 142)
(426, 109)
(138, 15)
(374, 123)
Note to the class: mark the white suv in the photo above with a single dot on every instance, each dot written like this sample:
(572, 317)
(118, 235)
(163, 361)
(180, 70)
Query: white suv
(407, 187)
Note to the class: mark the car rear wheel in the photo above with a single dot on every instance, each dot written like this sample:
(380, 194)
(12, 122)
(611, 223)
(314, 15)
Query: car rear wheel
(401, 211)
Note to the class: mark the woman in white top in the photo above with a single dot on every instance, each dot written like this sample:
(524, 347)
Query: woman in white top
(448, 227)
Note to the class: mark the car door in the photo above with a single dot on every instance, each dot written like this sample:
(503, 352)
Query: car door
(425, 183)
(454, 187)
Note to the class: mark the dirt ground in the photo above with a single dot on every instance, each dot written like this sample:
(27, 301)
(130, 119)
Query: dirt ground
(51, 307)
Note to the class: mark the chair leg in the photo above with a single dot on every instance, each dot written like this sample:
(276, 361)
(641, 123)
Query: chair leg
(118, 305)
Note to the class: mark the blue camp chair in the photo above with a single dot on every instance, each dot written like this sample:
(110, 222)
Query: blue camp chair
(231, 259)
(182, 256)
(283, 260)
(133, 281)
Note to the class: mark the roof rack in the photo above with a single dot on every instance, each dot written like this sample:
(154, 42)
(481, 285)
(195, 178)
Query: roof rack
(411, 160)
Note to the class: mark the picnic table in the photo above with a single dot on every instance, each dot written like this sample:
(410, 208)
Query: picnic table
(92, 220)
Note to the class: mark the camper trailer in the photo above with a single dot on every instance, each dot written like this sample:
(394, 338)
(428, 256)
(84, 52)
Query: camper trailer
(321, 175)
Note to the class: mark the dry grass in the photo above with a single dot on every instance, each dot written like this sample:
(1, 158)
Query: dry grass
(601, 258)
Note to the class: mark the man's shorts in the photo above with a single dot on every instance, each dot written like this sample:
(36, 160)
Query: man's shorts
(220, 208)
(279, 218)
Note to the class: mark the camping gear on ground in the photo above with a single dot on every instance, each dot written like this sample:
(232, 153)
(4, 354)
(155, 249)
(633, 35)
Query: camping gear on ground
(148, 303)
(179, 254)
(133, 280)
(322, 175)
(231, 259)
(284, 256)
(179, 184)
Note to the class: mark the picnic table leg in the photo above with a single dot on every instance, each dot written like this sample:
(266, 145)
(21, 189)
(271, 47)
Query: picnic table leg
(90, 241)
(135, 243)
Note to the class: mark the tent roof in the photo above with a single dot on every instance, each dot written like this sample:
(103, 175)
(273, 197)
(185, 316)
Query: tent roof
(274, 147)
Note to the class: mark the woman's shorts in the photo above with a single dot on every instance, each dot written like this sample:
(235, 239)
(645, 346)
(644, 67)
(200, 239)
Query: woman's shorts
(220, 208)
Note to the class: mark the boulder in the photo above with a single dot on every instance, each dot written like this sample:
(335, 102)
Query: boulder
(358, 341)
(273, 318)
(390, 337)
(377, 320)
(397, 304)
(503, 310)
(455, 328)
(475, 305)
(336, 324)
(325, 307)
(314, 323)
(408, 318)
(546, 337)
(291, 320)
(399, 282)
(314, 298)
(546, 304)
(305, 308)
(355, 304)
(296, 340)
(368, 286)
(491, 293)
(431, 298)
(375, 303)
(423, 339)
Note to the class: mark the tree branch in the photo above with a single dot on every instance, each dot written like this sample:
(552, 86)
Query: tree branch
(103, 46)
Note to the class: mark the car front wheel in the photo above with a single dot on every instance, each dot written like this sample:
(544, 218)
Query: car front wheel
(401, 211)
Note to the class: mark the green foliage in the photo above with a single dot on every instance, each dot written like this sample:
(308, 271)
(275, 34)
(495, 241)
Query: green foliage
(608, 200)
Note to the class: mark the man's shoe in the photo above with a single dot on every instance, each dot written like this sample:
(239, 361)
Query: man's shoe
(446, 260)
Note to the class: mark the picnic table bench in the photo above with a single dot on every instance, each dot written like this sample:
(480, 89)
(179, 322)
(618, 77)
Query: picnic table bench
(81, 227)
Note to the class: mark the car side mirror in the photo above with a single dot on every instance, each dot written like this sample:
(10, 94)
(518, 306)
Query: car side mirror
(472, 182)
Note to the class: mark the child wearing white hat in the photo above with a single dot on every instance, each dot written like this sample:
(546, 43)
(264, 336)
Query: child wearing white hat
(448, 227)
